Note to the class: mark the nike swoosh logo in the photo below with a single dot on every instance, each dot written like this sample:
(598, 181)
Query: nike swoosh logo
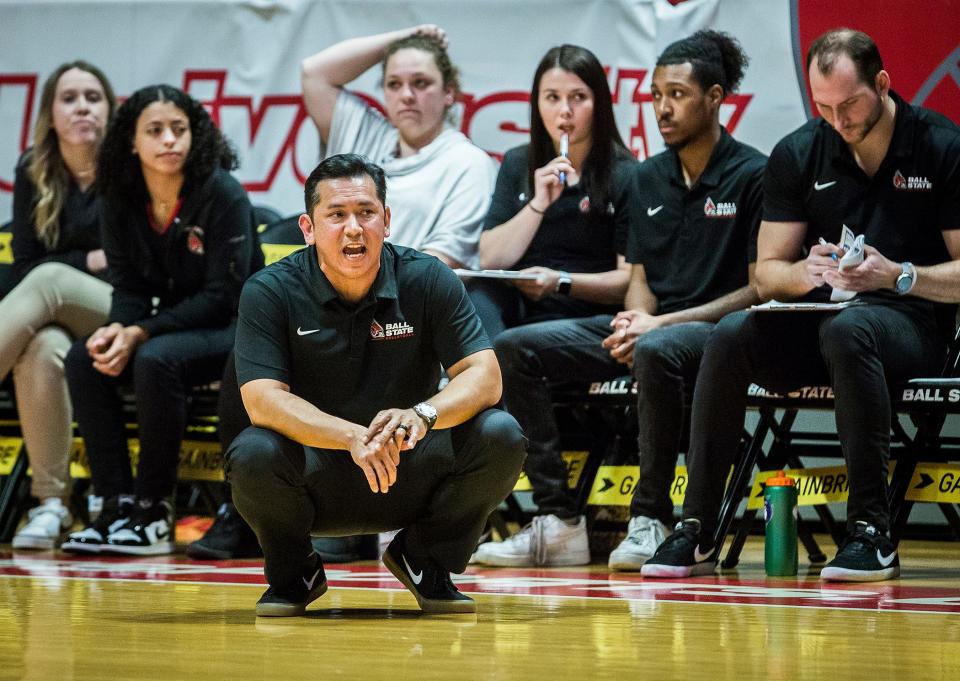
(885, 562)
(301, 332)
(820, 187)
(309, 584)
(653, 211)
(700, 557)
(418, 577)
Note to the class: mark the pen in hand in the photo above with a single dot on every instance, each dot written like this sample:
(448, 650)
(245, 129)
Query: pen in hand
(564, 152)
(823, 242)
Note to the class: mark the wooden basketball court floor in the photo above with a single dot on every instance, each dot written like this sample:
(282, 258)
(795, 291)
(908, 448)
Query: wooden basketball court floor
(172, 618)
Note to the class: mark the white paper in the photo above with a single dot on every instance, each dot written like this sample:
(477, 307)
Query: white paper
(494, 274)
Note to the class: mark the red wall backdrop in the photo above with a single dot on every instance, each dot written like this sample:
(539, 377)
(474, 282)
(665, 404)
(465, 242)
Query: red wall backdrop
(917, 40)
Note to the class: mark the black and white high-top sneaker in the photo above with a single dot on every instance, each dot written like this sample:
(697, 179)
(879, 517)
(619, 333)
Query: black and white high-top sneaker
(90, 539)
(147, 532)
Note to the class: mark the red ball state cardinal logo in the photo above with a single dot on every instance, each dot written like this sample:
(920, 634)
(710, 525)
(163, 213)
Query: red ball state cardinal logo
(195, 240)
(899, 181)
(376, 331)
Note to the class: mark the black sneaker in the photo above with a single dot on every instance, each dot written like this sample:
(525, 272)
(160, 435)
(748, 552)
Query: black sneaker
(292, 600)
(679, 555)
(429, 583)
(147, 532)
(865, 555)
(228, 537)
(115, 512)
(346, 549)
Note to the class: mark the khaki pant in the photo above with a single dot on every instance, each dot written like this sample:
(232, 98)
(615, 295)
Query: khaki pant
(39, 319)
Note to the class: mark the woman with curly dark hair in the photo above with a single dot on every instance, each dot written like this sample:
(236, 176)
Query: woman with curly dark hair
(61, 294)
(178, 232)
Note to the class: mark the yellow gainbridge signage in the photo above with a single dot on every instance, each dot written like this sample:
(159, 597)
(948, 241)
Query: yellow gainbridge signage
(574, 460)
(614, 485)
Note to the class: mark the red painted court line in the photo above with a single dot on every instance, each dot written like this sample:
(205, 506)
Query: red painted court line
(801, 592)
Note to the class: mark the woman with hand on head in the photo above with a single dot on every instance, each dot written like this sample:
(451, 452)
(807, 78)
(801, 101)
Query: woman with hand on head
(562, 219)
(440, 182)
(60, 296)
(178, 232)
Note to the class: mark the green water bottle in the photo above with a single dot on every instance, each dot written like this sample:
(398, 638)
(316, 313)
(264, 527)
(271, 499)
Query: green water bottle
(780, 509)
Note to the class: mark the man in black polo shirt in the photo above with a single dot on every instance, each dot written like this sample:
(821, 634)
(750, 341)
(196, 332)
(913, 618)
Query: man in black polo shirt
(697, 208)
(339, 349)
(889, 171)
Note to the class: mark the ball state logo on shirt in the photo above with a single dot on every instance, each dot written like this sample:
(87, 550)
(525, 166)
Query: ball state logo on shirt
(911, 183)
(585, 206)
(390, 331)
(195, 240)
(724, 209)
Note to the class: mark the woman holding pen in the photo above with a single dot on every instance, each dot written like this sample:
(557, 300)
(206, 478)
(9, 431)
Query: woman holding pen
(559, 210)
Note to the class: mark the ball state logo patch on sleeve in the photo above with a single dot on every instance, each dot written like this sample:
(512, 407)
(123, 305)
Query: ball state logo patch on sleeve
(390, 330)
(195, 240)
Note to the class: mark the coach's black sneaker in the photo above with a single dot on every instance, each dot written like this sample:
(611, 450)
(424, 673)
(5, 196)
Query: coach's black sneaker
(228, 537)
(428, 582)
(291, 600)
(90, 539)
(679, 555)
(147, 532)
(865, 555)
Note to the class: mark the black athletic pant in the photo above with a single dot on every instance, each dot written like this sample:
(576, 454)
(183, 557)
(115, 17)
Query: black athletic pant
(446, 488)
(665, 363)
(859, 351)
(161, 371)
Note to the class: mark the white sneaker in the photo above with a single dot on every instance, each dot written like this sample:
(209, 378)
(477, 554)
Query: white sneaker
(547, 541)
(644, 535)
(46, 523)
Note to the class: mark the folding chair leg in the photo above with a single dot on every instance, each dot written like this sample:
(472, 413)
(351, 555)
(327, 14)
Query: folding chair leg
(814, 553)
(732, 558)
(13, 497)
(953, 518)
(739, 480)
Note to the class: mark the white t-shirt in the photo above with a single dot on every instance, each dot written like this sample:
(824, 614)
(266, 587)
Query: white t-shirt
(438, 197)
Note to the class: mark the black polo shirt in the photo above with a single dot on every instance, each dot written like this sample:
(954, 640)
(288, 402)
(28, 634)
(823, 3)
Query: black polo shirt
(695, 244)
(570, 236)
(352, 361)
(812, 177)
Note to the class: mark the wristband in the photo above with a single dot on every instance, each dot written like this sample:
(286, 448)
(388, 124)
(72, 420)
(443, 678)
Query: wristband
(530, 206)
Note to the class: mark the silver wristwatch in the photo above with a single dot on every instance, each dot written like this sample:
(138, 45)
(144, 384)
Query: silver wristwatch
(907, 278)
(427, 412)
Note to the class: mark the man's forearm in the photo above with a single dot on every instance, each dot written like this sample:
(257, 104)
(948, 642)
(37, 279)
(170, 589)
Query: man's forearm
(939, 283)
(297, 419)
(466, 395)
(715, 310)
(782, 280)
